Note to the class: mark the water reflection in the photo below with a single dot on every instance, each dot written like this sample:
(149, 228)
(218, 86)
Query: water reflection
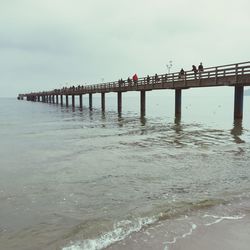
(120, 120)
(143, 120)
(237, 131)
(103, 116)
(103, 119)
(91, 114)
(177, 124)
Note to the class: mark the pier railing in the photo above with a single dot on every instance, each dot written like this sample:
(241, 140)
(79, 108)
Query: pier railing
(237, 75)
(162, 81)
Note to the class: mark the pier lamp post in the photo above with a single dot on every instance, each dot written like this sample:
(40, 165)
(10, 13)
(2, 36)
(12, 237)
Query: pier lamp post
(169, 65)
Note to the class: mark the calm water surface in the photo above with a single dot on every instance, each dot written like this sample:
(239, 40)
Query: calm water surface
(81, 179)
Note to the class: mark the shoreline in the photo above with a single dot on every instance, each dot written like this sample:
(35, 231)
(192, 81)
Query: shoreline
(217, 228)
(227, 234)
(230, 234)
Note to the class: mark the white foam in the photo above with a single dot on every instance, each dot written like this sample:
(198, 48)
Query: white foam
(193, 227)
(221, 218)
(121, 230)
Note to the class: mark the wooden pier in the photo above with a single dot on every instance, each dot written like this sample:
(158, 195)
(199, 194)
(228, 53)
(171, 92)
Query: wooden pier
(235, 75)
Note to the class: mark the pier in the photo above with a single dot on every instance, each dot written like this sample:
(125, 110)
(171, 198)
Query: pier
(234, 75)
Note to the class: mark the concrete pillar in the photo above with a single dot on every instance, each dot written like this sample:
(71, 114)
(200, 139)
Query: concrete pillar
(119, 102)
(61, 100)
(73, 101)
(67, 100)
(49, 98)
(53, 98)
(143, 102)
(80, 101)
(56, 99)
(103, 101)
(90, 100)
(238, 102)
(177, 102)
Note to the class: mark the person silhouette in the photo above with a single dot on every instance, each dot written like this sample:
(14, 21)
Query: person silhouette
(181, 73)
(148, 79)
(200, 67)
(135, 78)
(195, 70)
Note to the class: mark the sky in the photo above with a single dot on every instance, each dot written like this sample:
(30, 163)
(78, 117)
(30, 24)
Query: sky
(54, 43)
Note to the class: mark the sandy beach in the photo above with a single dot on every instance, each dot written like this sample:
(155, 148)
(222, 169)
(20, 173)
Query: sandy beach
(230, 233)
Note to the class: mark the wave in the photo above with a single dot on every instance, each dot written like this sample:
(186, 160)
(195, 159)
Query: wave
(124, 228)
(121, 230)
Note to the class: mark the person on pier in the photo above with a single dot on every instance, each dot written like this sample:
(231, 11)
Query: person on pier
(200, 68)
(181, 73)
(129, 81)
(195, 70)
(135, 78)
(121, 82)
(156, 78)
(148, 79)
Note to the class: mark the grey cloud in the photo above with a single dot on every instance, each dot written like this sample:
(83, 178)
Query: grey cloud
(45, 43)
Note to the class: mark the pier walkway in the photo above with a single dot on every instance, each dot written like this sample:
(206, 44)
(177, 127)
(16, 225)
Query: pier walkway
(236, 75)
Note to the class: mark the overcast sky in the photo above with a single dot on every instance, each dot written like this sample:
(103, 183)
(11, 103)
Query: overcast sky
(50, 43)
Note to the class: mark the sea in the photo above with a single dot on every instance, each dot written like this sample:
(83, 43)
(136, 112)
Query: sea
(81, 179)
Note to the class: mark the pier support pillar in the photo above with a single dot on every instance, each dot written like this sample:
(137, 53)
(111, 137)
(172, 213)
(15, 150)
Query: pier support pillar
(61, 100)
(53, 98)
(49, 98)
(103, 101)
(238, 102)
(119, 102)
(67, 100)
(90, 100)
(178, 102)
(73, 101)
(80, 101)
(56, 99)
(143, 102)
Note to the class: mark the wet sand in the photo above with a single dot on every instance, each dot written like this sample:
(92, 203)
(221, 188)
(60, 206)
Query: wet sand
(229, 234)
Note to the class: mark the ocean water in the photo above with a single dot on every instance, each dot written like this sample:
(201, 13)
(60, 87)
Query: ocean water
(84, 179)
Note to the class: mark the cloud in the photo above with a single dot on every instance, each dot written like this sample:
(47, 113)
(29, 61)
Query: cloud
(44, 44)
